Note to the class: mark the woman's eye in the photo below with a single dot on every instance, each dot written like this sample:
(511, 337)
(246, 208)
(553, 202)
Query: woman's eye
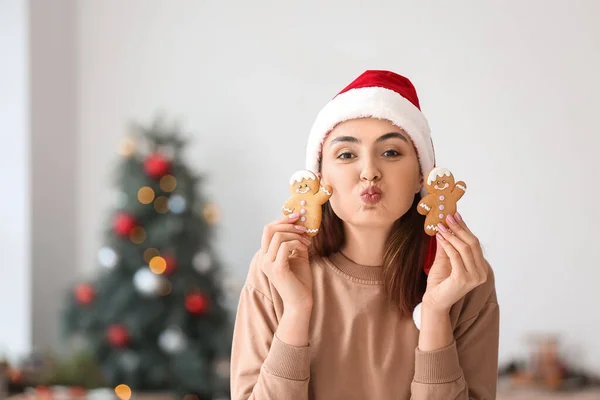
(346, 155)
(391, 153)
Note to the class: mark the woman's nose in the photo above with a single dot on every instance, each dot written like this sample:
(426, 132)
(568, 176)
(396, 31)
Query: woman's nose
(370, 172)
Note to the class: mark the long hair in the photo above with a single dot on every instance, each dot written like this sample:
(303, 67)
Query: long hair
(404, 254)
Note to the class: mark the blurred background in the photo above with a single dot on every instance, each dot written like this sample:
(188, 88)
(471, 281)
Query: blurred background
(102, 99)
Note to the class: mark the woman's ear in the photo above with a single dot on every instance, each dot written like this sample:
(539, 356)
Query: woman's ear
(420, 186)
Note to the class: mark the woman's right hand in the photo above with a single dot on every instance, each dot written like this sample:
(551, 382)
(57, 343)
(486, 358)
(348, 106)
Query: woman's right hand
(284, 259)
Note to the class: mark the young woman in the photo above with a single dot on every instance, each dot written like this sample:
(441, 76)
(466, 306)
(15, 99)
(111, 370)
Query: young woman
(336, 316)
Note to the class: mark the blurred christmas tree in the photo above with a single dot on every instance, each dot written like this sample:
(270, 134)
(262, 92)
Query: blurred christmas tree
(157, 318)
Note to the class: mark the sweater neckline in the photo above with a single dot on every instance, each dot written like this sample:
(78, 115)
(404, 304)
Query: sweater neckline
(363, 273)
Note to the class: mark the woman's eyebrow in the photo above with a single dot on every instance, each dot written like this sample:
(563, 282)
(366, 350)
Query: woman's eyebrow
(392, 135)
(338, 139)
(352, 139)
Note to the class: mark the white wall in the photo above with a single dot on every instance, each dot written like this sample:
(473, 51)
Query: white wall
(54, 169)
(510, 91)
(15, 213)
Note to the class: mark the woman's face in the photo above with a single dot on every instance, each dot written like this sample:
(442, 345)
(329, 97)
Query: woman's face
(373, 169)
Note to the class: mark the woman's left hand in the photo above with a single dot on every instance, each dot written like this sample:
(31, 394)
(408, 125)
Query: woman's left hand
(458, 268)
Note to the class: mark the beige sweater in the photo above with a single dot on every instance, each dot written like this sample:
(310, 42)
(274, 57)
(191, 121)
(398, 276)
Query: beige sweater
(359, 348)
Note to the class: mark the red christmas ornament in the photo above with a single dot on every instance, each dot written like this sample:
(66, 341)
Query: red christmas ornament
(156, 166)
(171, 264)
(117, 336)
(196, 303)
(123, 224)
(84, 293)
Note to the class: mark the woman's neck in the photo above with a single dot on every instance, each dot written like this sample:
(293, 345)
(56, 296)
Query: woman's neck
(365, 246)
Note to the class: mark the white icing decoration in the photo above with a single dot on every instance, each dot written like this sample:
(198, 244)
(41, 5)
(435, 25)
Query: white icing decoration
(326, 191)
(303, 219)
(441, 206)
(303, 211)
(287, 209)
(299, 176)
(437, 172)
(442, 198)
(461, 187)
(312, 230)
(303, 203)
(441, 216)
(432, 227)
(439, 188)
(425, 206)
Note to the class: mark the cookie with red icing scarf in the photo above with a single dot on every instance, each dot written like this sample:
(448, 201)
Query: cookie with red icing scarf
(307, 197)
(443, 194)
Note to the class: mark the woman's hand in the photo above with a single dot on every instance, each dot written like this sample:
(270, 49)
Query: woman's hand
(458, 267)
(283, 257)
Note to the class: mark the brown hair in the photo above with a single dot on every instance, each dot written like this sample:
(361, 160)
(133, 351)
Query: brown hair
(404, 254)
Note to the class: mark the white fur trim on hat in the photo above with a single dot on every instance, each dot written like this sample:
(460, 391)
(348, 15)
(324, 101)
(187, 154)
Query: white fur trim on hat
(376, 102)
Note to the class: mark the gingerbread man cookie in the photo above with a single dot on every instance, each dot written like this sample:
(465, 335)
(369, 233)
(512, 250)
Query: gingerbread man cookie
(307, 197)
(441, 199)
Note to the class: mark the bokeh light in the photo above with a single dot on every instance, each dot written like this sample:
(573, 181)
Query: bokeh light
(123, 392)
(150, 253)
(127, 147)
(137, 235)
(168, 183)
(166, 288)
(158, 265)
(161, 204)
(145, 195)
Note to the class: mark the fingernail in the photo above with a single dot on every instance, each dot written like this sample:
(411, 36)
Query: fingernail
(451, 219)
(458, 217)
(293, 215)
(442, 228)
(300, 228)
(439, 237)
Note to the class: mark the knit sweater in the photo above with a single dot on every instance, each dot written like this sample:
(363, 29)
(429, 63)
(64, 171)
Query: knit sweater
(359, 347)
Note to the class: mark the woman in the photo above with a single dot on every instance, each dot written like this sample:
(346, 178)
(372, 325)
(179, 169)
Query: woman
(334, 317)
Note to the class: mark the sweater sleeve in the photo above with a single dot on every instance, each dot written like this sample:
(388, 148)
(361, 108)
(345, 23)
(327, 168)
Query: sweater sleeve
(465, 370)
(262, 366)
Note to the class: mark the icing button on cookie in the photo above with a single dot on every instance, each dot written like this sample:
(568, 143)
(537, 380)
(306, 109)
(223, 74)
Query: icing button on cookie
(303, 203)
(441, 206)
(441, 216)
(303, 219)
(303, 211)
(442, 198)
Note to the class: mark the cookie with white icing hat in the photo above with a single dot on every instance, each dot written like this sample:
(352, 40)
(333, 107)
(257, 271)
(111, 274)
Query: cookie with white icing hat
(307, 197)
(443, 194)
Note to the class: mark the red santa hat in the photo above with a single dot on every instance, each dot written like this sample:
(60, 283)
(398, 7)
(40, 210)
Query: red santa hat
(384, 95)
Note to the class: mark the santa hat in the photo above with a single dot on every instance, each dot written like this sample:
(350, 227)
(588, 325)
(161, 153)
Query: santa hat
(384, 95)
(377, 94)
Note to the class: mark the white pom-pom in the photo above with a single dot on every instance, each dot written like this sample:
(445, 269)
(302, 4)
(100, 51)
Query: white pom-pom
(417, 316)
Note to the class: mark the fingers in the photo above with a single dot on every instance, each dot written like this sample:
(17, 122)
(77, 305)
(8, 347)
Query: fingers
(280, 239)
(285, 224)
(456, 261)
(467, 245)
